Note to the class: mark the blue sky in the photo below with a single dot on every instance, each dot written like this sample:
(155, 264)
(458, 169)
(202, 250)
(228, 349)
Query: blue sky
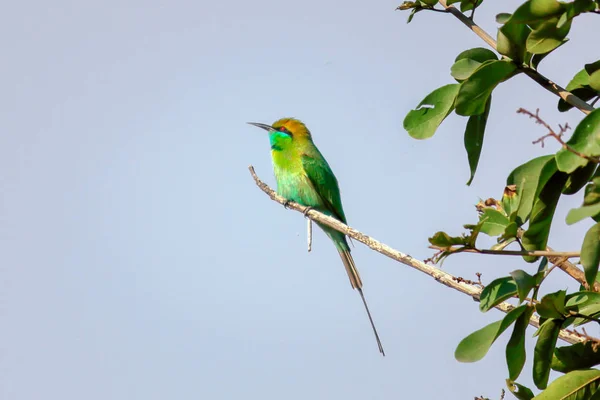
(139, 261)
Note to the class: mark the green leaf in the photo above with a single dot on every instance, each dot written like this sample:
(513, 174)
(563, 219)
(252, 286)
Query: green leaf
(515, 349)
(496, 292)
(574, 385)
(479, 54)
(443, 240)
(585, 140)
(493, 222)
(511, 41)
(585, 303)
(464, 68)
(429, 114)
(595, 81)
(536, 10)
(536, 235)
(475, 91)
(511, 231)
(552, 305)
(412, 14)
(521, 392)
(575, 8)
(576, 356)
(544, 349)
(474, 138)
(537, 58)
(475, 346)
(527, 178)
(547, 37)
(581, 79)
(525, 283)
(577, 214)
(430, 2)
(590, 253)
(467, 5)
(578, 178)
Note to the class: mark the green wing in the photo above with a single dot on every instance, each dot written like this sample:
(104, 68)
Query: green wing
(325, 183)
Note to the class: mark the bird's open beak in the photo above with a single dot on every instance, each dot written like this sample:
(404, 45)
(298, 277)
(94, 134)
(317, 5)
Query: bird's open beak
(266, 127)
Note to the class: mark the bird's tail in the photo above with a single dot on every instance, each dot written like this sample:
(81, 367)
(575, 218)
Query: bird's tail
(356, 283)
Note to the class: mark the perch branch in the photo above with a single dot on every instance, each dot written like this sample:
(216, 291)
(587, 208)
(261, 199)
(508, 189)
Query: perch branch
(436, 273)
(532, 73)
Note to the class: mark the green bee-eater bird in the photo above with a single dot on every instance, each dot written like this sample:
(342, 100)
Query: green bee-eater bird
(303, 176)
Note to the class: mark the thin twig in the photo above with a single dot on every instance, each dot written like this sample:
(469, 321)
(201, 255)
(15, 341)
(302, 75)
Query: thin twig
(436, 273)
(533, 253)
(552, 133)
(532, 73)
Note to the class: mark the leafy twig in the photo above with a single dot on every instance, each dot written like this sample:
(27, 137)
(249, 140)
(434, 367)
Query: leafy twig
(532, 73)
(552, 133)
(439, 275)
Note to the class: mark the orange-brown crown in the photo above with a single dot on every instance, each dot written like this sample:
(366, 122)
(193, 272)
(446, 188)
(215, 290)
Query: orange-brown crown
(294, 126)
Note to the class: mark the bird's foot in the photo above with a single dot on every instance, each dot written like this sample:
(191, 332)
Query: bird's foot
(309, 208)
(286, 204)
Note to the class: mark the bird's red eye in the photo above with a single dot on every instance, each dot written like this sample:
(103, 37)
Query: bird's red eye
(282, 129)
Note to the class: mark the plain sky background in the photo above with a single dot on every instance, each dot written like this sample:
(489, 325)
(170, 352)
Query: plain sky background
(138, 260)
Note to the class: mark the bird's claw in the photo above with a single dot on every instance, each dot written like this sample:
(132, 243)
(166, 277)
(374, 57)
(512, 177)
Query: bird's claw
(286, 204)
(305, 212)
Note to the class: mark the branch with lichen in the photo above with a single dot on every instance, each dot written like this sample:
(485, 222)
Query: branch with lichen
(471, 289)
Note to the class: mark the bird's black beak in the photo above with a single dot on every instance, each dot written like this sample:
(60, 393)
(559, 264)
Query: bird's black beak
(266, 127)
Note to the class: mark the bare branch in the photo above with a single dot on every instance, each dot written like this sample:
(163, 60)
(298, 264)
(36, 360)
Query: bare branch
(552, 133)
(532, 73)
(436, 273)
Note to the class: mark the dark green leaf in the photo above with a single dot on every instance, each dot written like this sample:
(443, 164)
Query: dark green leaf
(574, 385)
(527, 178)
(544, 349)
(475, 346)
(511, 231)
(496, 292)
(590, 253)
(474, 138)
(536, 235)
(576, 356)
(521, 392)
(515, 349)
(585, 140)
(430, 2)
(574, 9)
(467, 5)
(552, 305)
(592, 67)
(423, 122)
(412, 14)
(511, 40)
(525, 283)
(474, 92)
(579, 178)
(595, 81)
